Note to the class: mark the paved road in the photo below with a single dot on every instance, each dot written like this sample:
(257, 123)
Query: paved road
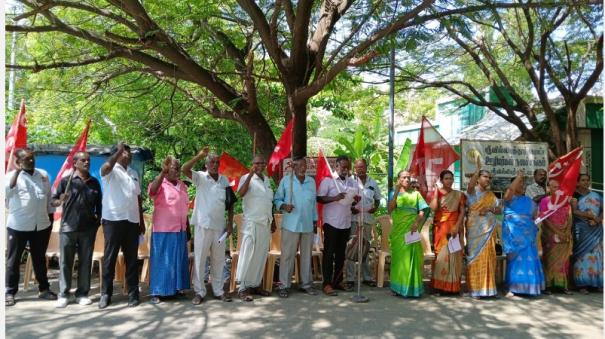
(302, 316)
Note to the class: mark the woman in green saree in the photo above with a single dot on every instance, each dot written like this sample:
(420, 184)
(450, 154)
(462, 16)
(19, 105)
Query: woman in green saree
(407, 209)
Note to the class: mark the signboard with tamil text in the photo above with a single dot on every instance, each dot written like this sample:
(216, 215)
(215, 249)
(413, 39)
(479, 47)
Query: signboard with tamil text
(502, 158)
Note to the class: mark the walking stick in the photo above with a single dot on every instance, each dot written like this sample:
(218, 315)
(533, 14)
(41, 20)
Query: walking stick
(359, 298)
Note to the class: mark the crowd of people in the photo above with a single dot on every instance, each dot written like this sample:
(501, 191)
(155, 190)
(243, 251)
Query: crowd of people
(464, 230)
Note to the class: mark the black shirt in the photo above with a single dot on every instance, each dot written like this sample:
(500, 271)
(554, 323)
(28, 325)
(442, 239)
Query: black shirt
(82, 209)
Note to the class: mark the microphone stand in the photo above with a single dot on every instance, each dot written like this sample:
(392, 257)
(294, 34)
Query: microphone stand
(360, 224)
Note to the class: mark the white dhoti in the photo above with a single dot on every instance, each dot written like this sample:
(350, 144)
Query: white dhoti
(205, 242)
(253, 253)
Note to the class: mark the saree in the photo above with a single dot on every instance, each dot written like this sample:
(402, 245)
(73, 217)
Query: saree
(406, 259)
(524, 274)
(447, 267)
(480, 236)
(588, 244)
(556, 245)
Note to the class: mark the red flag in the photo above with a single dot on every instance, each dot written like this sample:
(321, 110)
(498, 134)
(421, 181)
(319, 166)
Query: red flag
(281, 150)
(323, 171)
(565, 170)
(79, 146)
(432, 155)
(16, 138)
(232, 169)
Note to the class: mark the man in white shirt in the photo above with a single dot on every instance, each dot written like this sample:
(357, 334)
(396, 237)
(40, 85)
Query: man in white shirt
(537, 190)
(336, 195)
(370, 200)
(29, 219)
(209, 221)
(255, 189)
(122, 219)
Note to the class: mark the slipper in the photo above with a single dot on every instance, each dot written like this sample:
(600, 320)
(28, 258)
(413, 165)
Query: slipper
(245, 296)
(583, 291)
(328, 290)
(9, 300)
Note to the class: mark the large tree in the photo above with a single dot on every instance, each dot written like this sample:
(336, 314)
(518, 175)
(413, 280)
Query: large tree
(525, 56)
(227, 57)
(211, 52)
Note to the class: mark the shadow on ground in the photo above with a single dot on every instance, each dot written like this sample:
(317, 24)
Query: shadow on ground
(302, 316)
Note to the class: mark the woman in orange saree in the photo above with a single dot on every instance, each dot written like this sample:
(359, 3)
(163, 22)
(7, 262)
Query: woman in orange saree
(448, 205)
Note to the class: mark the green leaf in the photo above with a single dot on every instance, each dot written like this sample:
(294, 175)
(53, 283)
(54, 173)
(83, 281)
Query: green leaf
(404, 156)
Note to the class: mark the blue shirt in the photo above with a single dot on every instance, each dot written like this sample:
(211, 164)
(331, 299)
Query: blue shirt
(304, 200)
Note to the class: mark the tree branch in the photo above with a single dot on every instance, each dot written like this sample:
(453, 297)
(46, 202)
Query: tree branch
(37, 67)
(403, 21)
(26, 29)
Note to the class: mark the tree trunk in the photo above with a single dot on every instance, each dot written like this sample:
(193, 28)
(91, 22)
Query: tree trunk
(257, 125)
(571, 130)
(299, 140)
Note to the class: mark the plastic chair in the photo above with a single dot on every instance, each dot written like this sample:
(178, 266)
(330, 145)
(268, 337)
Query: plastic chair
(143, 254)
(316, 257)
(274, 254)
(429, 256)
(98, 254)
(234, 248)
(53, 250)
(384, 251)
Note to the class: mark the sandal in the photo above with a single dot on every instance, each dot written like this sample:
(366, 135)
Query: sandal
(583, 291)
(283, 293)
(9, 300)
(245, 296)
(329, 291)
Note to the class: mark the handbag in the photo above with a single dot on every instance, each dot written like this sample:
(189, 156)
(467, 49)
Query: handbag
(351, 250)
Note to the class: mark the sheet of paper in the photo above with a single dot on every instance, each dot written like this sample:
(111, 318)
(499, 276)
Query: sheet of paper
(412, 237)
(349, 195)
(454, 244)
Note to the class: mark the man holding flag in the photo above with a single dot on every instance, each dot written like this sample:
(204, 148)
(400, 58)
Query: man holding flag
(80, 195)
(337, 196)
(258, 224)
(295, 198)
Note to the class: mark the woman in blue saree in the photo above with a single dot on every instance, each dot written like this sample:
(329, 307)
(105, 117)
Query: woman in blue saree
(524, 274)
(588, 237)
